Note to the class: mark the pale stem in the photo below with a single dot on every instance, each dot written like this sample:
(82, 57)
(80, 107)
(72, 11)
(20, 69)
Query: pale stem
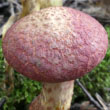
(54, 96)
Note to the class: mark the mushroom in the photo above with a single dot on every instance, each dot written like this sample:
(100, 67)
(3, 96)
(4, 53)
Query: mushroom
(55, 46)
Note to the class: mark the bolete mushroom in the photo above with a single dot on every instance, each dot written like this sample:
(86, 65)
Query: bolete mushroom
(55, 46)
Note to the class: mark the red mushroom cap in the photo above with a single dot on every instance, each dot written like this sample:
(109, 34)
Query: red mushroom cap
(55, 44)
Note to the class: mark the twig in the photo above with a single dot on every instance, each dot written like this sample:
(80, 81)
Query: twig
(0, 32)
(4, 4)
(99, 98)
(14, 6)
(75, 107)
(18, 6)
(92, 100)
(2, 102)
(11, 7)
(103, 20)
(68, 2)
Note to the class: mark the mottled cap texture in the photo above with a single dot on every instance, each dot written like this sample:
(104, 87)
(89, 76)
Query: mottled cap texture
(55, 44)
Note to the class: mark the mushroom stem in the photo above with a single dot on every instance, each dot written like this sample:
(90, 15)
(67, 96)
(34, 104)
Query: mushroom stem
(35, 5)
(54, 96)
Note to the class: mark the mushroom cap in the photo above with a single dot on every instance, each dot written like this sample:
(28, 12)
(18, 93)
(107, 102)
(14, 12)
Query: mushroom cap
(55, 44)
